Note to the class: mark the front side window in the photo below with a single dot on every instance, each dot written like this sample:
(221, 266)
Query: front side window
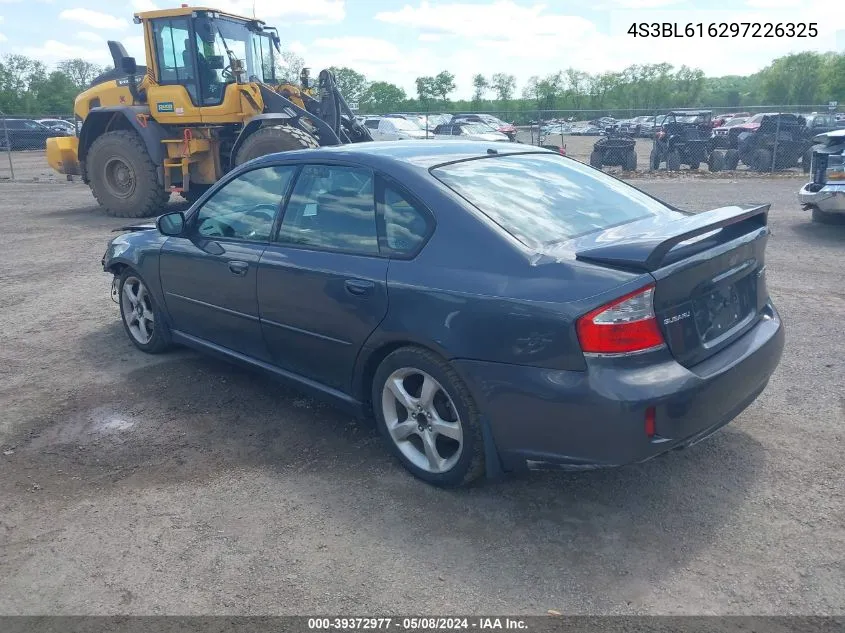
(540, 199)
(246, 207)
(332, 208)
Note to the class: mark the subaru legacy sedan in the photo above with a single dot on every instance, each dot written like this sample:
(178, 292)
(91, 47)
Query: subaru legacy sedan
(494, 306)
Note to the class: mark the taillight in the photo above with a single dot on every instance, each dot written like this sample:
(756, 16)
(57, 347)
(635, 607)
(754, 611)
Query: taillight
(622, 326)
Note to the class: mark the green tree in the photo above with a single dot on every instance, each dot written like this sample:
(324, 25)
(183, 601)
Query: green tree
(504, 86)
(351, 83)
(382, 97)
(289, 65)
(443, 85)
(79, 71)
(55, 93)
(793, 79)
(480, 85)
(425, 89)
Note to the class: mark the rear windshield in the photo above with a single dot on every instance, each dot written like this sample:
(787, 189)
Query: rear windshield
(542, 199)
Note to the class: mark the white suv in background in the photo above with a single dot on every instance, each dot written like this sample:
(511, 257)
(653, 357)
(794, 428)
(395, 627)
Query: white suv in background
(393, 129)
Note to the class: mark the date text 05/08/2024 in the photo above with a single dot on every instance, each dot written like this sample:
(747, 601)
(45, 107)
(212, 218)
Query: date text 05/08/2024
(725, 29)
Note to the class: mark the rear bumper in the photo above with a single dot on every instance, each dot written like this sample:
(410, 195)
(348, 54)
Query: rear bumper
(830, 198)
(596, 418)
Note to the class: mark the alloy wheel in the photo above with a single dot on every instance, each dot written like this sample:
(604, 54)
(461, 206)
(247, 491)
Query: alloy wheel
(137, 310)
(422, 420)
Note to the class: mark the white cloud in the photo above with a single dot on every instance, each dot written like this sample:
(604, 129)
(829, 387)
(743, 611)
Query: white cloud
(501, 20)
(52, 51)
(640, 4)
(3, 38)
(352, 49)
(144, 5)
(308, 11)
(88, 36)
(774, 4)
(430, 37)
(94, 19)
(296, 47)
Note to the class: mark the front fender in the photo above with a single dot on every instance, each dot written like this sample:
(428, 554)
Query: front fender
(140, 252)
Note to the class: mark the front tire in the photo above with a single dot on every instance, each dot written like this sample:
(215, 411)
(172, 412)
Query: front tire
(428, 417)
(673, 161)
(595, 159)
(631, 161)
(123, 176)
(716, 161)
(273, 139)
(142, 319)
(731, 159)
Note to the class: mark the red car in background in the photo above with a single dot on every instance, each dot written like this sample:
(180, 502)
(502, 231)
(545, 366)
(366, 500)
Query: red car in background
(719, 120)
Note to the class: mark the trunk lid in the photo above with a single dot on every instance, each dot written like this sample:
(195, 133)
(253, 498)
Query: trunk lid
(709, 272)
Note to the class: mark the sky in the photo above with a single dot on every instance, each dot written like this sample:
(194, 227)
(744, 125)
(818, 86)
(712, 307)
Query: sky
(398, 40)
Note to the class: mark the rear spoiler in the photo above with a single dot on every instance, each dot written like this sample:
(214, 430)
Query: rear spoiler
(648, 251)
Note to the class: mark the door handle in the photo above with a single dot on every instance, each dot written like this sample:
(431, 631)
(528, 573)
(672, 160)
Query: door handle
(359, 287)
(238, 268)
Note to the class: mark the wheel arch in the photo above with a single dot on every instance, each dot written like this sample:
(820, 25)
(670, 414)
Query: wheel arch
(367, 364)
(109, 119)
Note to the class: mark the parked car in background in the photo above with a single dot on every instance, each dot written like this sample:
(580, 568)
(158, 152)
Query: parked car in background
(468, 131)
(489, 120)
(721, 134)
(59, 124)
(819, 123)
(721, 119)
(493, 310)
(824, 195)
(21, 134)
(397, 129)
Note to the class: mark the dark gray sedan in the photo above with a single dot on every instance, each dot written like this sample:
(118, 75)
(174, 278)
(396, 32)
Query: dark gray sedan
(495, 308)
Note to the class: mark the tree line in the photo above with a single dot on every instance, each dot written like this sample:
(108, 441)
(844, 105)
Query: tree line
(28, 87)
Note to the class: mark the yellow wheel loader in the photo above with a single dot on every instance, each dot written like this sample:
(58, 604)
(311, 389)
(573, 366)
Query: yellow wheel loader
(206, 101)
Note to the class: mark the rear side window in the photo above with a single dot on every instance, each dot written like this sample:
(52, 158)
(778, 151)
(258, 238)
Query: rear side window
(540, 199)
(405, 224)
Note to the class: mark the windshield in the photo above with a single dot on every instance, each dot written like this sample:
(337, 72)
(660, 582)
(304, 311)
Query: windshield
(540, 199)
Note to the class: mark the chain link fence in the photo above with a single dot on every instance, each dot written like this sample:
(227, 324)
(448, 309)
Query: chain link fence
(762, 139)
(23, 139)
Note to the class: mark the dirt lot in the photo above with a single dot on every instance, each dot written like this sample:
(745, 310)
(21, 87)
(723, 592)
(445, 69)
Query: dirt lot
(179, 484)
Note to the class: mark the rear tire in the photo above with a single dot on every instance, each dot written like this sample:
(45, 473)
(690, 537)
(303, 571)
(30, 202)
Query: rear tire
(763, 160)
(123, 176)
(673, 161)
(824, 217)
(631, 161)
(451, 407)
(732, 159)
(595, 159)
(270, 140)
(716, 162)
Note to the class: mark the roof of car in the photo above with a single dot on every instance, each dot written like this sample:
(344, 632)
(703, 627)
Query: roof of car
(425, 154)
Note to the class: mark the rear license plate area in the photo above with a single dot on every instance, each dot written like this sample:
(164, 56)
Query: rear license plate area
(724, 307)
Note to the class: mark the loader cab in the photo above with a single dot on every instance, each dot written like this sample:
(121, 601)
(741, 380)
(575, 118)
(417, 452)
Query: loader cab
(196, 56)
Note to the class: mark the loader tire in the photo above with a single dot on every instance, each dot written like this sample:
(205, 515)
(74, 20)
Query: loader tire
(123, 176)
(277, 138)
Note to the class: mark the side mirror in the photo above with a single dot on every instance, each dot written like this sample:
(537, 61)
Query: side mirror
(128, 65)
(216, 62)
(171, 224)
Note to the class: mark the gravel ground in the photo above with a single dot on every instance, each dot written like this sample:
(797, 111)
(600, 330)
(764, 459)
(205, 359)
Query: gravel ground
(179, 484)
